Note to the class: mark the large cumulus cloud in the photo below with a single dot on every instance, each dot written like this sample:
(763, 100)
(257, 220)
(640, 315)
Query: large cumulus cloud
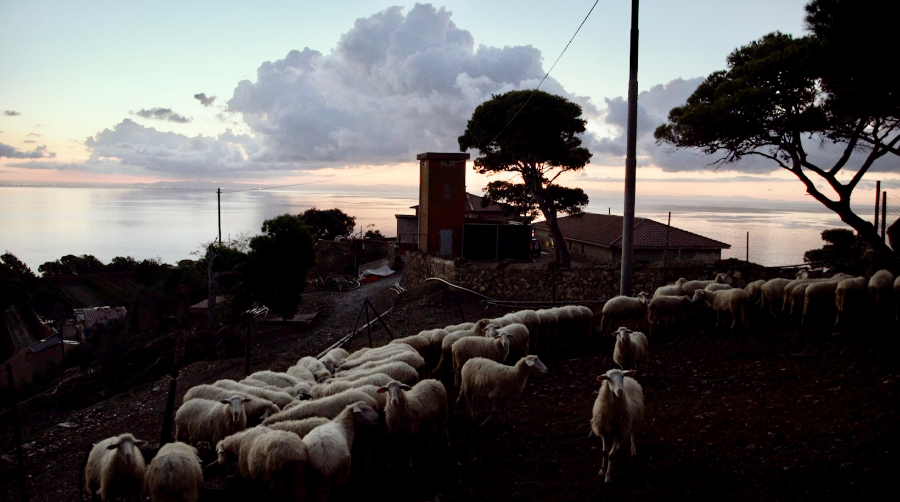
(396, 85)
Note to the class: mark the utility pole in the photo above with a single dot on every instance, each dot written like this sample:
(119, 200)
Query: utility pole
(630, 160)
(219, 196)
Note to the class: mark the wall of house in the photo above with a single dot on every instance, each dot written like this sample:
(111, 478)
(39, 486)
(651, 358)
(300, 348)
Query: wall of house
(27, 366)
(546, 281)
(581, 251)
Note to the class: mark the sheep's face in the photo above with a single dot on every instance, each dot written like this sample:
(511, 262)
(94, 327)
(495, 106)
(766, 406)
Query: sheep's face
(364, 414)
(622, 334)
(492, 330)
(329, 365)
(615, 379)
(222, 454)
(125, 446)
(395, 391)
(236, 403)
(535, 364)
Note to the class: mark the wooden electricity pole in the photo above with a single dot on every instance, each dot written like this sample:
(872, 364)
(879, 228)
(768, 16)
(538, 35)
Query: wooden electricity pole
(630, 160)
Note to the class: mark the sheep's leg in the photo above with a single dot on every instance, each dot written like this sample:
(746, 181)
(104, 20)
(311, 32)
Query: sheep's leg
(602, 455)
(612, 449)
(493, 412)
(633, 447)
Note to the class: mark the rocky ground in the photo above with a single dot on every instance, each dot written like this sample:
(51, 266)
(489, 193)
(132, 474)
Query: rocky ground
(770, 413)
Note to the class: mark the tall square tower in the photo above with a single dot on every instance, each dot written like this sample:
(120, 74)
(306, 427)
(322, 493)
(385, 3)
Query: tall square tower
(442, 202)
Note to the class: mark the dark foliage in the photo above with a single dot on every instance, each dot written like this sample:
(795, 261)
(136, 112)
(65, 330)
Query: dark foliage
(373, 234)
(842, 252)
(327, 223)
(15, 277)
(539, 145)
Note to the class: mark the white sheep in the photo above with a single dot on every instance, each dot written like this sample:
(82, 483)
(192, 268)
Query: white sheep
(632, 350)
(257, 408)
(717, 287)
(333, 386)
(319, 370)
(278, 459)
(301, 373)
(206, 420)
(548, 332)
(519, 337)
(330, 445)
(280, 380)
(398, 370)
(377, 354)
(690, 287)
(444, 365)
(881, 293)
(850, 296)
(327, 407)
(670, 289)
(617, 415)
(494, 347)
(466, 326)
(420, 343)
(773, 294)
(415, 413)
(486, 379)
(434, 337)
(754, 289)
(299, 427)
(818, 297)
(236, 447)
(115, 467)
(735, 301)
(333, 358)
(667, 309)
(794, 298)
(533, 322)
(623, 308)
(411, 358)
(174, 474)
(278, 397)
(566, 324)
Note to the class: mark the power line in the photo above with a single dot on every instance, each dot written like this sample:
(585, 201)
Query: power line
(547, 74)
(311, 182)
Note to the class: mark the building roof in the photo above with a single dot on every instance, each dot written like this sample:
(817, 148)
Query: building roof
(606, 231)
(473, 205)
(91, 317)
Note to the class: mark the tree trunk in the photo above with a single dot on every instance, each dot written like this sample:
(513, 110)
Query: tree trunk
(559, 242)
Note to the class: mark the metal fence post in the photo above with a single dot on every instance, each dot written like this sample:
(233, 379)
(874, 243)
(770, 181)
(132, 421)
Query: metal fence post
(17, 434)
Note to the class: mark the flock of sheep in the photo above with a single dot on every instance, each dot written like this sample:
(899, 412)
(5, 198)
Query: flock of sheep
(294, 431)
(297, 432)
(805, 299)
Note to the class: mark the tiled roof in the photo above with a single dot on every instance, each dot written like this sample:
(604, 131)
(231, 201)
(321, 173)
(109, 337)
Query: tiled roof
(90, 317)
(45, 344)
(606, 231)
(473, 204)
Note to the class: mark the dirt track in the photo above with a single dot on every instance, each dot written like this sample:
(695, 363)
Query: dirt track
(774, 413)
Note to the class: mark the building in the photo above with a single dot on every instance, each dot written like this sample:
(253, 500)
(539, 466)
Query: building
(598, 238)
(26, 344)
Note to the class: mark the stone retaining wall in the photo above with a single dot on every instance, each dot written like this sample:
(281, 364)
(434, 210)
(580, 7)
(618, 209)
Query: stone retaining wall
(536, 281)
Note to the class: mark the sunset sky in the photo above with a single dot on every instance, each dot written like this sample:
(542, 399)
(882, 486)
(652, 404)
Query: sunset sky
(289, 92)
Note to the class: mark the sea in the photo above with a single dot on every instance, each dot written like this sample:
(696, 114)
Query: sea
(40, 224)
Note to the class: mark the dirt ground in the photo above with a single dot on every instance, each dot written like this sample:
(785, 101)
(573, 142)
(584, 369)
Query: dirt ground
(770, 413)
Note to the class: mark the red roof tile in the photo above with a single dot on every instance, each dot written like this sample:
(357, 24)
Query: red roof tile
(606, 231)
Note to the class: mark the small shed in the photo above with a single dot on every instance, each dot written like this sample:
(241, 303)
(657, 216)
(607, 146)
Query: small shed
(598, 238)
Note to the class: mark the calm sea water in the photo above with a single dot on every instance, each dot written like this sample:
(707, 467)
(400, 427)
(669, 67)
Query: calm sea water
(40, 224)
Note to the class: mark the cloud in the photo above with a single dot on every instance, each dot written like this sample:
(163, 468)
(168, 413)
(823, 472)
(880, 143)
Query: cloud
(29, 141)
(11, 113)
(33, 134)
(204, 100)
(395, 85)
(653, 109)
(14, 153)
(162, 114)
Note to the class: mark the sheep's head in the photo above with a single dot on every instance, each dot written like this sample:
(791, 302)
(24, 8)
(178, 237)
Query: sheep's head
(364, 414)
(504, 338)
(395, 391)
(303, 390)
(491, 330)
(125, 445)
(622, 334)
(223, 454)
(615, 379)
(699, 295)
(644, 297)
(534, 364)
(236, 403)
(680, 281)
(329, 365)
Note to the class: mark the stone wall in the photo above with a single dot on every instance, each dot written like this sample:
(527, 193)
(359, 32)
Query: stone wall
(548, 282)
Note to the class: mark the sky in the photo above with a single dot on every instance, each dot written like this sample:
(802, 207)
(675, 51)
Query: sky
(280, 92)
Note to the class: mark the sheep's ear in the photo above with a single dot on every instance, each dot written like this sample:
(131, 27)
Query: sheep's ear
(405, 387)
(381, 390)
(140, 442)
(225, 401)
(246, 400)
(112, 446)
(601, 378)
(529, 362)
(629, 373)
